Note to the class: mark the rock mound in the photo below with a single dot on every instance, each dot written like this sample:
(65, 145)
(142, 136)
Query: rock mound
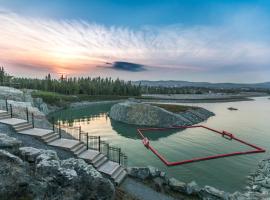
(148, 115)
(39, 174)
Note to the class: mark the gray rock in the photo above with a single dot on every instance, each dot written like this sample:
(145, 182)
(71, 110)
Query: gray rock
(5, 156)
(176, 185)
(29, 153)
(139, 172)
(154, 172)
(209, 192)
(9, 143)
(192, 188)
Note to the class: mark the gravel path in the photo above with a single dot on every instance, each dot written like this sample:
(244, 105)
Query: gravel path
(33, 142)
(141, 191)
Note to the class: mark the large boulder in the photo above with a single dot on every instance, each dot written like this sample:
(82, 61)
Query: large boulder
(131, 112)
(9, 144)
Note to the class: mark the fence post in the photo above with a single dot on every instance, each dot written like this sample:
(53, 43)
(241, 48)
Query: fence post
(87, 137)
(33, 122)
(11, 111)
(80, 132)
(119, 154)
(59, 129)
(6, 104)
(27, 115)
(99, 143)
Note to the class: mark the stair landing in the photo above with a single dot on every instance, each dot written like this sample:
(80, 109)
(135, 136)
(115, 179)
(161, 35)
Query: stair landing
(38, 132)
(89, 155)
(109, 167)
(13, 121)
(64, 143)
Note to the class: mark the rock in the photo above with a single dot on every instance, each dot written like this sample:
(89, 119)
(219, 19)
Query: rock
(154, 172)
(192, 188)
(9, 143)
(8, 157)
(139, 172)
(176, 185)
(11, 93)
(50, 178)
(47, 163)
(131, 112)
(38, 102)
(29, 153)
(209, 192)
(158, 182)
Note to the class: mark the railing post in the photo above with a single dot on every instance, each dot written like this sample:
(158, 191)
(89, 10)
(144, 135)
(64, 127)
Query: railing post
(119, 154)
(53, 122)
(11, 111)
(6, 104)
(27, 115)
(33, 122)
(108, 151)
(80, 132)
(59, 129)
(99, 143)
(87, 138)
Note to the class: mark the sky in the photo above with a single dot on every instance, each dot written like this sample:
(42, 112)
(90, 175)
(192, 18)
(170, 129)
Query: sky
(192, 40)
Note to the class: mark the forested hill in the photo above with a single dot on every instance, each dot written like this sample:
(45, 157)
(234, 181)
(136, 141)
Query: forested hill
(73, 85)
(178, 84)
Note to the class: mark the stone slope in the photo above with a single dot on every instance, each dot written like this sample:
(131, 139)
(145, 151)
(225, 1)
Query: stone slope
(147, 115)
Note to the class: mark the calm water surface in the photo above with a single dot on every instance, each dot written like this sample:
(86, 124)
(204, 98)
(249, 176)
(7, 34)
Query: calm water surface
(251, 123)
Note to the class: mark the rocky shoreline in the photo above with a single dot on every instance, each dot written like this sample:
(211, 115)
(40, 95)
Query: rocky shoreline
(258, 185)
(144, 114)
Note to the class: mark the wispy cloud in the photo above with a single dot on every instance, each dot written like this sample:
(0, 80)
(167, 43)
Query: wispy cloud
(73, 45)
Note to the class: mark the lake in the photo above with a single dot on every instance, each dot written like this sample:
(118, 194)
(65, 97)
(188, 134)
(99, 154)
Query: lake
(251, 123)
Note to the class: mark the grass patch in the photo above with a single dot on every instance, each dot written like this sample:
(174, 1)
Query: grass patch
(54, 98)
(175, 108)
(61, 100)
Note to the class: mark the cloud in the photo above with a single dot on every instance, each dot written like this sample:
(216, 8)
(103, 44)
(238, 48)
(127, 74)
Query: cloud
(126, 66)
(74, 45)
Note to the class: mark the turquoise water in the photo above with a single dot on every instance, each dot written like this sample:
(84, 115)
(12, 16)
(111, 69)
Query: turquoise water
(251, 123)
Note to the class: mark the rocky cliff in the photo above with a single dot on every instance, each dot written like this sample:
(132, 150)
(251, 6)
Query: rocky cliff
(148, 115)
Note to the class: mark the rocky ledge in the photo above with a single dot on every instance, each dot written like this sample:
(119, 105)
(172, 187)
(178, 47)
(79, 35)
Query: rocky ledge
(258, 187)
(148, 115)
(30, 173)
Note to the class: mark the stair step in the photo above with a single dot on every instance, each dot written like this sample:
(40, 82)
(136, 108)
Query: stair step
(120, 178)
(116, 172)
(97, 158)
(75, 147)
(4, 117)
(100, 162)
(19, 125)
(23, 128)
(81, 150)
(52, 138)
(48, 136)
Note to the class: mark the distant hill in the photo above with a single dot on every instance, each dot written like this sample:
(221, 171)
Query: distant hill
(172, 83)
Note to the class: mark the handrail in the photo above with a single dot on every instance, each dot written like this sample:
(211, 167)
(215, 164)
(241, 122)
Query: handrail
(94, 142)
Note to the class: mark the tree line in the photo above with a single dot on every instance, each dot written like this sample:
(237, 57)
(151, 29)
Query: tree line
(73, 85)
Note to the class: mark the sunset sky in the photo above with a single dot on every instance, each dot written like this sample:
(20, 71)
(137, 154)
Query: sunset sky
(193, 40)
